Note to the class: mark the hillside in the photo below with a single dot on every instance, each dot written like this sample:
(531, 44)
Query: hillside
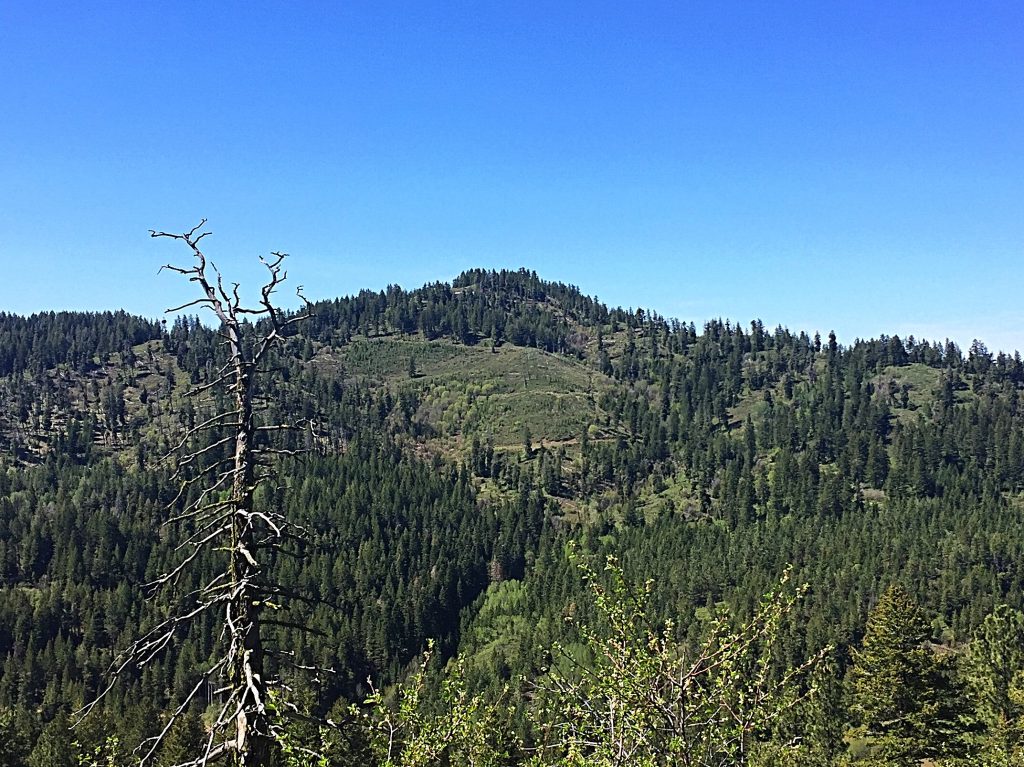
(464, 433)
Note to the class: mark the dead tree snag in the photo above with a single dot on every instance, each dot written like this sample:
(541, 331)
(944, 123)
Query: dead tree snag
(220, 462)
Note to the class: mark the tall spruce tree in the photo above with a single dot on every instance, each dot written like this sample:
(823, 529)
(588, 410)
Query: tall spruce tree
(184, 740)
(903, 693)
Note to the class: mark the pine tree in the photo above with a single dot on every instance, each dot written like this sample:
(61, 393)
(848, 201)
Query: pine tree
(995, 671)
(903, 693)
(54, 747)
(16, 735)
(184, 740)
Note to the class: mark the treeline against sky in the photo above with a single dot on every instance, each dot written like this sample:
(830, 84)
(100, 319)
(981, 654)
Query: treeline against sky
(713, 460)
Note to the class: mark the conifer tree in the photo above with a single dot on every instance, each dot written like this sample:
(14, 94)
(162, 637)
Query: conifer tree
(184, 740)
(903, 693)
(54, 747)
(16, 737)
(995, 676)
(221, 463)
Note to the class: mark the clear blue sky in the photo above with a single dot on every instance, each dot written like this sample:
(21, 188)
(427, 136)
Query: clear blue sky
(820, 165)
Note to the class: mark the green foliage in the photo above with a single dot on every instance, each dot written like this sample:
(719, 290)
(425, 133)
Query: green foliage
(904, 694)
(637, 697)
(17, 734)
(705, 459)
(185, 740)
(463, 729)
(994, 658)
(54, 747)
(994, 667)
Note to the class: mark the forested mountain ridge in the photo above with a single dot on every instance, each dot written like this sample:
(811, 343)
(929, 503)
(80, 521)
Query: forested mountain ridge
(465, 432)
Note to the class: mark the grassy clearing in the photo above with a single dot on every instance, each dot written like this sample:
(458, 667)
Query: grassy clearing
(478, 391)
(503, 395)
(751, 404)
(387, 359)
(673, 495)
(921, 383)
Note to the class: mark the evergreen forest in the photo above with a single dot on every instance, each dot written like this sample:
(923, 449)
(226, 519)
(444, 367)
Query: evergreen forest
(536, 530)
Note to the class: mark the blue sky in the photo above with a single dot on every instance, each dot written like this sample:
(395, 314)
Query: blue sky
(857, 167)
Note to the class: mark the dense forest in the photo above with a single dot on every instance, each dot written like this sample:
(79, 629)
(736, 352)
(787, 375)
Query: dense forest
(573, 506)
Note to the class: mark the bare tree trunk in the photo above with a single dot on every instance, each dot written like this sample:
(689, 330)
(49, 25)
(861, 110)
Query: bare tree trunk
(246, 729)
(253, 740)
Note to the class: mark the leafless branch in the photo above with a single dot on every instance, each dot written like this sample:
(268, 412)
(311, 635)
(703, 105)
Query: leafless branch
(222, 519)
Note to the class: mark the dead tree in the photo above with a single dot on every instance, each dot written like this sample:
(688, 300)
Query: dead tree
(220, 462)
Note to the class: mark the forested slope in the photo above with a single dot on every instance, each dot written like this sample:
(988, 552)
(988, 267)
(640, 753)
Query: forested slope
(465, 433)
